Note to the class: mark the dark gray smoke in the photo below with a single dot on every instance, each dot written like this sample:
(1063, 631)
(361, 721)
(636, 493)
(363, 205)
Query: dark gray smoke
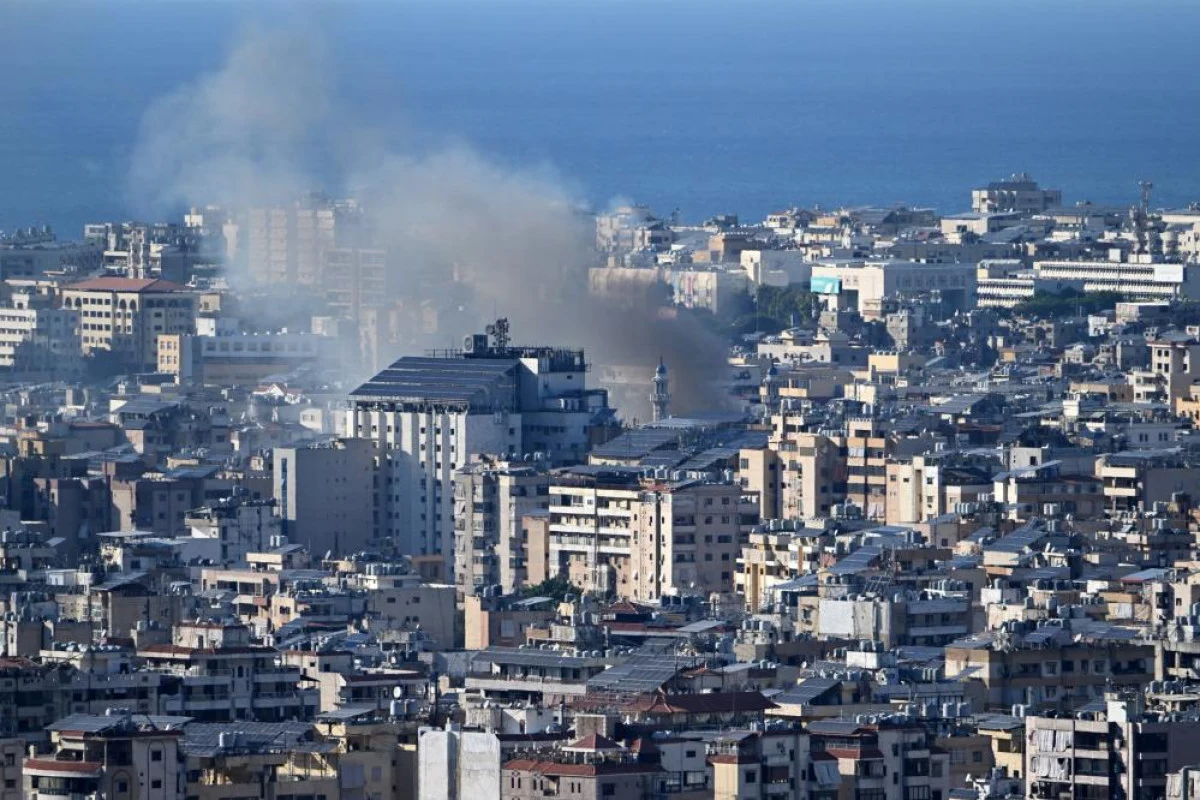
(468, 239)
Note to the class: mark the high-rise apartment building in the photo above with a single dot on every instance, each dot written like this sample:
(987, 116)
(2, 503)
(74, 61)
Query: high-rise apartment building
(287, 245)
(615, 532)
(1115, 749)
(37, 340)
(355, 279)
(429, 415)
(490, 499)
(325, 494)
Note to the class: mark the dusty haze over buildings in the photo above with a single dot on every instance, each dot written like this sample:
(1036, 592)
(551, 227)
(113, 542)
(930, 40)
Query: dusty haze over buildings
(249, 133)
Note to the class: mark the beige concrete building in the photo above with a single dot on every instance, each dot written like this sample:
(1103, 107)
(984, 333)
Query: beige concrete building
(812, 466)
(865, 286)
(773, 555)
(1175, 359)
(1121, 751)
(688, 538)
(1019, 193)
(288, 245)
(1135, 480)
(12, 753)
(121, 756)
(225, 677)
(631, 228)
(1062, 675)
(760, 472)
(491, 497)
(605, 776)
(866, 456)
(346, 756)
(401, 600)
(501, 621)
(591, 528)
(325, 494)
(125, 316)
(614, 533)
(238, 359)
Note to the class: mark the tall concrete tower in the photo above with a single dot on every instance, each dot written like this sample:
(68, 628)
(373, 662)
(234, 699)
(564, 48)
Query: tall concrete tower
(660, 399)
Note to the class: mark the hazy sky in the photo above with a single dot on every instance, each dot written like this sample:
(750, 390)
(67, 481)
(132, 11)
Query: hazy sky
(706, 105)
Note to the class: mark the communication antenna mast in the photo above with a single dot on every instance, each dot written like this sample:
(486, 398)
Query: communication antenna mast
(1146, 187)
(499, 333)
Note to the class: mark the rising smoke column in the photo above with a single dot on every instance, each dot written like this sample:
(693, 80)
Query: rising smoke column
(266, 126)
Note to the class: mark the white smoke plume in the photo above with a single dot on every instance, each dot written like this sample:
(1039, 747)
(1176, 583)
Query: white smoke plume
(464, 234)
(242, 135)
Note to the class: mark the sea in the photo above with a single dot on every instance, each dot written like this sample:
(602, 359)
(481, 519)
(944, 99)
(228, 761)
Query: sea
(705, 107)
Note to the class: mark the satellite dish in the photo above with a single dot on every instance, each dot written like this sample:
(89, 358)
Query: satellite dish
(397, 692)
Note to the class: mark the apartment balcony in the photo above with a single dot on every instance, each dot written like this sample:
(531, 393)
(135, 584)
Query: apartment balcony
(1098, 753)
(62, 768)
(588, 544)
(287, 675)
(193, 704)
(278, 699)
(568, 527)
(623, 513)
(927, 631)
(204, 672)
(200, 679)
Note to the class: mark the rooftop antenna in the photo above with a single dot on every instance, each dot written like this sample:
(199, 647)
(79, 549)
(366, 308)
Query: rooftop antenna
(1146, 187)
(499, 333)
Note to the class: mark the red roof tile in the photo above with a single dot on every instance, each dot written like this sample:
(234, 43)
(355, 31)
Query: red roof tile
(594, 742)
(72, 767)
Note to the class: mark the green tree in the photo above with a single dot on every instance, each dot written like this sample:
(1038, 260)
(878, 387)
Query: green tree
(786, 305)
(1070, 302)
(556, 588)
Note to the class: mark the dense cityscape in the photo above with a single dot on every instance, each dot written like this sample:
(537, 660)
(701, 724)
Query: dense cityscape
(883, 504)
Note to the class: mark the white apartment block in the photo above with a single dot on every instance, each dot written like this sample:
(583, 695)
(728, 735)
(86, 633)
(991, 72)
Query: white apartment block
(1019, 193)
(1140, 279)
(37, 339)
(429, 415)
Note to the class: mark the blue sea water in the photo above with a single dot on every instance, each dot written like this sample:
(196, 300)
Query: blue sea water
(739, 106)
